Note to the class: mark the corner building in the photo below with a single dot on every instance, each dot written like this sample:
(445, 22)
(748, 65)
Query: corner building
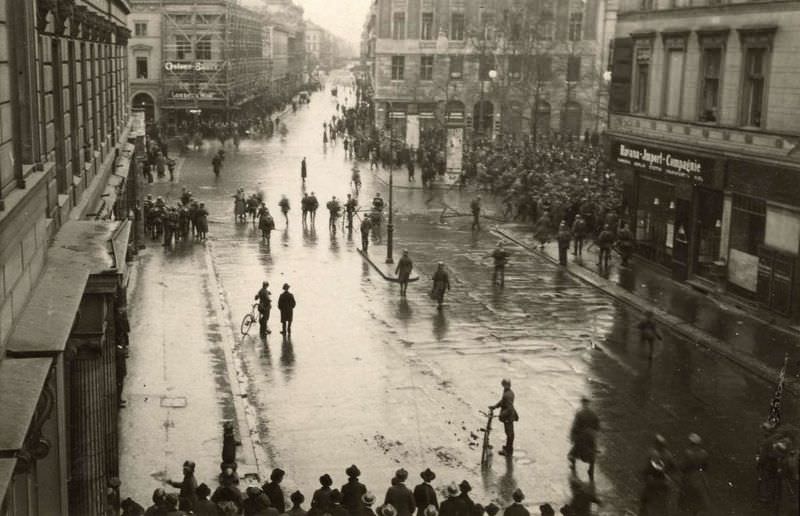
(64, 202)
(502, 67)
(704, 132)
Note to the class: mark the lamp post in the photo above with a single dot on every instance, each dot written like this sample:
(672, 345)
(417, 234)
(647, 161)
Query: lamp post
(390, 224)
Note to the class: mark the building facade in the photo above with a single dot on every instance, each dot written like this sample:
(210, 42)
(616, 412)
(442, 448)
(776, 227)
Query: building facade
(63, 182)
(704, 131)
(288, 40)
(509, 67)
(197, 60)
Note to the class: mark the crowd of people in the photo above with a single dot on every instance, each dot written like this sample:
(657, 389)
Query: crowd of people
(172, 224)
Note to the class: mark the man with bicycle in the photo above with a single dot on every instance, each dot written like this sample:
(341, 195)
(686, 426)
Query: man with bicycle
(264, 305)
(508, 416)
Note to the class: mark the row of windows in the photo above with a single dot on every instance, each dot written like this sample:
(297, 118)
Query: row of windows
(538, 68)
(544, 30)
(752, 92)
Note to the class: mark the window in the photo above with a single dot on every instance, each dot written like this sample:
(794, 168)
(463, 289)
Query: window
(398, 68)
(202, 50)
(456, 67)
(710, 85)
(141, 67)
(641, 80)
(748, 221)
(648, 5)
(140, 28)
(540, 68)
(753, 86)
(516, 30)
(426, 68)
(487, 24)
(673, 83)
(183, 48)
(484, 65)
(575, 26)
(457, 26)
(514, 67)
(427, 26)
(573, 68)
(399, 26)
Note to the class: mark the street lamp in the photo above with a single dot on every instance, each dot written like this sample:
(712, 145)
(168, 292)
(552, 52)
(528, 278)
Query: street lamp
(390, 225)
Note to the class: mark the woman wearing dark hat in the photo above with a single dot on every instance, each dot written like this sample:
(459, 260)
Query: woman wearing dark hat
(297, 499)
(286, 304)
(204, 506)
(273, 490)
(352, 491)
(424, 493)
(321, 501)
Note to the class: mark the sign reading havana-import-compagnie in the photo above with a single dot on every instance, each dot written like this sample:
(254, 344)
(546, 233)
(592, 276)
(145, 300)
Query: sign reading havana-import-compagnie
(653, 159)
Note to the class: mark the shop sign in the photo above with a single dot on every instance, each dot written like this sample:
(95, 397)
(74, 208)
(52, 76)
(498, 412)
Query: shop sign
(653, 159)
(201, 95)
(197, 66)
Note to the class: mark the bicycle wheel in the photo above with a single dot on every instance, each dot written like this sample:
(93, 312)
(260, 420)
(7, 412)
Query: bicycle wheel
(246, 323)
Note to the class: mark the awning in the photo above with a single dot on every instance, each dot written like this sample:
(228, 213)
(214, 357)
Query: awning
(83, 249)
(21, 383)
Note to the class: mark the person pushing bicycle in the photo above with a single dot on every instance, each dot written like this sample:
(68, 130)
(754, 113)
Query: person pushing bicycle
(508, 416)
(264, 305)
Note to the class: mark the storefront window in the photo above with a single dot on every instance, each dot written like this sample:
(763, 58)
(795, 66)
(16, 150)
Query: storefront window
(655, 220)
(709, 232)
(748, 221)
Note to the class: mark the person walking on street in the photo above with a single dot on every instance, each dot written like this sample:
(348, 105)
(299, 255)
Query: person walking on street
(625, 243)
(399, 496)
(216, 162)
(648, 333)
(583, 436)
(508, 416)
(366, 227)
(273, 490)
(334, 208)
(410, 166)
(304, 207)
(424, 493)
(286, 304)
(353, 491)
(694, 496)
(313, 204)
(604, 242)
(350, 207)
(303, 170)
(516, 508)
(264, 306)
(403, 271)
(284, 205)
(475, 207)
(265, 223)
(563, 238)
(441, 284)
(500, 256)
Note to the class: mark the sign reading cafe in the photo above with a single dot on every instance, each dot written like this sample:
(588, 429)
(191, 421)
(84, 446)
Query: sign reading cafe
(663, 161)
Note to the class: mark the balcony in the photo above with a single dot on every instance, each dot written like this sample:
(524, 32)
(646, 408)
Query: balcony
(731, 140)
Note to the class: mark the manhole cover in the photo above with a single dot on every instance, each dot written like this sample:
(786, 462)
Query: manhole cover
(173, 401)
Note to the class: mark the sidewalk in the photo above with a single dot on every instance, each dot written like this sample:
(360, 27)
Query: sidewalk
(752, 343)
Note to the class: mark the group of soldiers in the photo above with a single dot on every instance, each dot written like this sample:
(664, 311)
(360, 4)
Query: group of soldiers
(175, 223)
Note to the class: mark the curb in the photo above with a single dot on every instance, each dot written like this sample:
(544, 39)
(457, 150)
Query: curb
(671, 322)
(375, 266)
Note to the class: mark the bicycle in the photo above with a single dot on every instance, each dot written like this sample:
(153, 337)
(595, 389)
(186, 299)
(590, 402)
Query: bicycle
(486, 449)
(250, 319)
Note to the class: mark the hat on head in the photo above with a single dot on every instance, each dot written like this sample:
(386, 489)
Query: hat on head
(253, 491)
(517, 495)
(427, 475)
(388, 510)
(353, 471)
(452, 490)
(189, 464)
(277, 474)
(491, 509)
(401, 475)
(285, 286)
(368, 499)
(203, 490)
(546, 510)
(464, 486)
(326, 480)
(297, 498)
(695, 439)
(430, 510)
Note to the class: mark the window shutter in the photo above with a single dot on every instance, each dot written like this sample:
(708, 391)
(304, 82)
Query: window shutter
(621, 70)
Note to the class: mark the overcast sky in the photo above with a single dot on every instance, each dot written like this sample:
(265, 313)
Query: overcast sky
(342, 17)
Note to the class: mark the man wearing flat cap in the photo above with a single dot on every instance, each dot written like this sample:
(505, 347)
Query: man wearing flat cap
(508, 416)
(516, 508)
(352, 491)
(399, 496)
(273, 490)
(424, 493)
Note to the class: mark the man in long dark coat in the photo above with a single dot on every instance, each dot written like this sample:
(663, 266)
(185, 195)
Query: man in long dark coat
(352, 491)
(286, 304)
(424, 493)
(399, 496)
(508, 416)
(516, 508)
(273, 490)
